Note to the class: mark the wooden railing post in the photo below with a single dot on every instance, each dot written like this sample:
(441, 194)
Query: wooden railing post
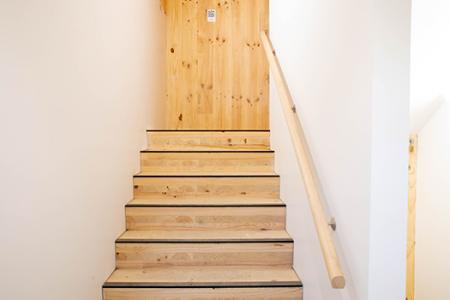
(306, 165)
(411, 236)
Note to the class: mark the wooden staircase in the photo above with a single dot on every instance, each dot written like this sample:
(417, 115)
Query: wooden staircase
(206, 222)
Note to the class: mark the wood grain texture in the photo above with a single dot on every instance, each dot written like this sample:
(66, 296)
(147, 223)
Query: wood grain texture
(194, 173)
(231, 276)
(202, 201)
(202, 235)
(209, 140)
(217, 77)
(148, 255)
(206, 222)
(178, 187)
(195, 162)
(204, 294)
(205, 218)
(163, 6)
(411, 238)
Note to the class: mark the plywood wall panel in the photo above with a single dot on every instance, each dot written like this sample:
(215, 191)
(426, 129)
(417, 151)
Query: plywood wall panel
(217, 72)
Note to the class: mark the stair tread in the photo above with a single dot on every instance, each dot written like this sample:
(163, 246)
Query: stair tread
(205, 236)
(209, 140)
(195, 151)
(208, 148)
(204, 276)
(204, 174)
(208, 130)
(205, 201)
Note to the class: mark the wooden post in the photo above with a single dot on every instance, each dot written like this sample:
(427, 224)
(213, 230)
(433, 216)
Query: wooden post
(411, 239)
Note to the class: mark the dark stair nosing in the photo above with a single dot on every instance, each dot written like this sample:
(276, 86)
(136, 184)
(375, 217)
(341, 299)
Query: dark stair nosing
(213, 285)
(207, 176)
(207, 151)
(209, 241)
(208, 205)
(208, 130)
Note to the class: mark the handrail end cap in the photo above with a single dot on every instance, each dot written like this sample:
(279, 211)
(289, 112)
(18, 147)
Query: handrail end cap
(338, 282)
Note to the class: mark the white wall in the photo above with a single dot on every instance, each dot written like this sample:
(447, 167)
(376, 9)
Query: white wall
(430, 80)
(347, 66)
(79, 84)
(433, 209)
(390, 135)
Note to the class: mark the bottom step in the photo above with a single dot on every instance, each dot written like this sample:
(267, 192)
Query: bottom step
(170, 283)
(290, 293)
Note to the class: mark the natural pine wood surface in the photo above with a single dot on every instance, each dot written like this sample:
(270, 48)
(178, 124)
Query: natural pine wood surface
(217, 76)
(148, 255)
(200, 173)
(204, 201)
(202, 235)
(244, 187)
(207, 162)
(411, 235)
(208, 140)
(205, 224)
(205, 276)
(204, 294)
(205, 218)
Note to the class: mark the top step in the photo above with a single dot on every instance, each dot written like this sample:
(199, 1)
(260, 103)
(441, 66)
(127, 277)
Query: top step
(208, 140)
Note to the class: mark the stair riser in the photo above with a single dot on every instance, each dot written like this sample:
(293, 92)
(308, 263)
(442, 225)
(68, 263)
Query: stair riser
(204, 294)
(209, 140)
(207, 162)
(205, 218)
(172, 187)
(147, 255)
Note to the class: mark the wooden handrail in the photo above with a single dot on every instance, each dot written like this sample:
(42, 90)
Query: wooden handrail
(305, 162)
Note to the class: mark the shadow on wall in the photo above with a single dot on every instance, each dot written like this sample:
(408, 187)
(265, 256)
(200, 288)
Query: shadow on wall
(421, 117)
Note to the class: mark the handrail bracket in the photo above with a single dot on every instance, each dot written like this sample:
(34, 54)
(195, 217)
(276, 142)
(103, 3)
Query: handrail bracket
(294, 109)
(332, 224)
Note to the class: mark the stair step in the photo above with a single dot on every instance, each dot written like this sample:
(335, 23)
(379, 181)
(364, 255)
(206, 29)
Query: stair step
(207, 276)
(209, 174)
(216, 173)
(144, 249)
(208, 140)
(207, 161)
(206, 222)
(206, 218)
(150, 254)
(204, 201)
(170, 186)
(254, 293)
(216, 236)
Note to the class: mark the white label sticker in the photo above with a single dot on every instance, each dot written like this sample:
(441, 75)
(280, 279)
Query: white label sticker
(211, 15)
